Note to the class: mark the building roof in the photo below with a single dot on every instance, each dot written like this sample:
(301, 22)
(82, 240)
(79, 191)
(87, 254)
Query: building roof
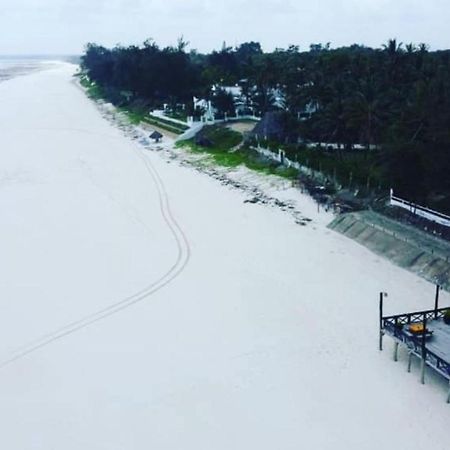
(275, 125)
(156, 135)
(271, 125)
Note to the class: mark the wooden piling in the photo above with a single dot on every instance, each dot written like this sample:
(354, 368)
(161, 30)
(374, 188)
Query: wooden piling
(395, 351)
(424, 352)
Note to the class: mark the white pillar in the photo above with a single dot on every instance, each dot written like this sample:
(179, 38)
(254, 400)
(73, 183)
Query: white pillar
(410, 355)
(422, 371)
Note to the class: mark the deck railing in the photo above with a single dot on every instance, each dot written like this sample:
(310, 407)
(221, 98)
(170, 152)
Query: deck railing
(414, 317)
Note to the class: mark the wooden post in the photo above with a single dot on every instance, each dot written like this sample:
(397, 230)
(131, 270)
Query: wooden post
(424, 352)
(436, 301)
(410, 355)
(381, 321)
(422, 371)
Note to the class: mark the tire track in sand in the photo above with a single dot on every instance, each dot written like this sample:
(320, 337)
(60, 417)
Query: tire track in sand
(183, 256)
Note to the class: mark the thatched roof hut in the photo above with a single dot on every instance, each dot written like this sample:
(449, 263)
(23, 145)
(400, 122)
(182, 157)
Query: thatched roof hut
(275, 126)
(156, 136)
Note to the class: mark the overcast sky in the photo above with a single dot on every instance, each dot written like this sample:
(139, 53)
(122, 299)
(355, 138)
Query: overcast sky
(64, 26)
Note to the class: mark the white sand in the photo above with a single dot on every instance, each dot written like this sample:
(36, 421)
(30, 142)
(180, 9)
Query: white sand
(266, 339)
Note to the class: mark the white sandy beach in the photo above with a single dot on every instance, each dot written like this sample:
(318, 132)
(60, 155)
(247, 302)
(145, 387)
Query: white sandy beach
(146, 306)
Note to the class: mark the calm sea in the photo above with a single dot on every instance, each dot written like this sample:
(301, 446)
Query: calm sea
(13, 66)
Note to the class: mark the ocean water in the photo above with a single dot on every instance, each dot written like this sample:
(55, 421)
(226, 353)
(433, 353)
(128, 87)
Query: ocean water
(12, 66)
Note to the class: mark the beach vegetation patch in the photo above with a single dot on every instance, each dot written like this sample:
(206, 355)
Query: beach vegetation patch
(225, 148)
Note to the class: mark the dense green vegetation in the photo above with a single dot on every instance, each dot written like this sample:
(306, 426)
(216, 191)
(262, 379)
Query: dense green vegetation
(135, 114)
(394, 101)
(138, 115)
(350, 170)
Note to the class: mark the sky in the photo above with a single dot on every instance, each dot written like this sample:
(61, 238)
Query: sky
(65, 26)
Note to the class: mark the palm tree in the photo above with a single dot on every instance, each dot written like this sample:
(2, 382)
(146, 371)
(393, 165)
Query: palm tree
(392, 48)
(366, 110)
(410, 48)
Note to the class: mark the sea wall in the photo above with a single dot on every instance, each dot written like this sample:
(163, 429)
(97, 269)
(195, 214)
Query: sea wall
(405, 246)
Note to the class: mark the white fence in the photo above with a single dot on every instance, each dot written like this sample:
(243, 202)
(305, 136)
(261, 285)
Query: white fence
(281, 157)
(421, 211)
(229, 119)
(159, 114)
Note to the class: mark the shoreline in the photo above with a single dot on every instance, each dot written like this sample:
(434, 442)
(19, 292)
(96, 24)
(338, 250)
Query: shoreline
(13, 68)
(264, 189)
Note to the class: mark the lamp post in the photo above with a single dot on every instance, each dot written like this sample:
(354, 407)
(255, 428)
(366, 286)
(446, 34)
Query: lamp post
(436, 301)
(381, 304)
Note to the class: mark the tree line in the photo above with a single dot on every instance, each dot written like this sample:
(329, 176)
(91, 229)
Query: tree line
(393, 100)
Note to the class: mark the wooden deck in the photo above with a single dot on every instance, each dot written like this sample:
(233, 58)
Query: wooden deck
(439, 343)
(431, 347)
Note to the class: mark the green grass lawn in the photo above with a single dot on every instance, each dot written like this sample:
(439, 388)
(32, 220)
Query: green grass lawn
(136, 117)
(179, 115)
(93, 91)
(149, 118)
(223, 152)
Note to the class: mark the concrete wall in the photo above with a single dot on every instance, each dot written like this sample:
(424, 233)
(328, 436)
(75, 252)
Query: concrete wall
(405, 246)
(191, 132)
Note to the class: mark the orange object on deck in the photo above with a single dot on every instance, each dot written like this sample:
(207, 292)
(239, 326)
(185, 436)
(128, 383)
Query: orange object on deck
(416, 328)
